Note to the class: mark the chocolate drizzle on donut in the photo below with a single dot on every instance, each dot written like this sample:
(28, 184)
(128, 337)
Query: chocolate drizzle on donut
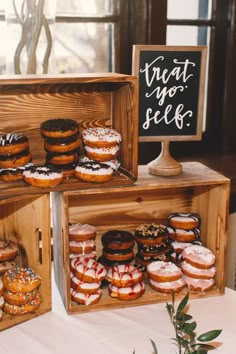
(93, 166)
(42, 169)
(59, 125)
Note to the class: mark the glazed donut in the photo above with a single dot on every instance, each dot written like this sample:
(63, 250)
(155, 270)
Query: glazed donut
(16, 160)
(86, 299)
(167, 287)
(186, 221)
(89, 270)
(8, 250)
(151, 234)
(13, 174)
(65, 158)
(198, 284)
(1, 287)
(102, 154)
(118, 256)
(22, 309)
(199, 256)
(19, 298)
(117, 240)
(62, 145)
(59, 128)
(101, 137)
(182, 235)
(128, 293)
(82, 247)
(163, 271)
(42, 176)
(81, 232)
(124, 275)
(6, 265)
(84, 287)
(93, 172)
(21, 280)
(13, 143)
(197, 273)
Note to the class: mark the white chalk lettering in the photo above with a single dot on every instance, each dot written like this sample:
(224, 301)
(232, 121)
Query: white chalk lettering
(161, 93)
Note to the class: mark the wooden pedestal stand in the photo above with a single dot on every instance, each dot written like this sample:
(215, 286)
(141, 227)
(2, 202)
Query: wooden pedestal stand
(164, 164)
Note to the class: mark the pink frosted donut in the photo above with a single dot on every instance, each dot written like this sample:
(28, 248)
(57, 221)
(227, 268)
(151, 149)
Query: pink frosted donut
(124, 275)
(86, 299)
(82, 247)
(101, 137)
(83, 287)
(161, 271)
(198, 273)
(81, 232)
(199, 284)
(89, 270)
(199, 256)
(167, 287)
(127, 293)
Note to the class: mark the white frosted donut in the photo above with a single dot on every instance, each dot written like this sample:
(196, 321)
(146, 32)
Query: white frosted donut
(92, 255)
(86, 299)
(81, 232)
(127, 293)
(185, 221)
(82, 247)
(198, 273)
(167, 287)
(162, 271)
(89, 270)
(8, 250)
(180, 246)
(42, 176)
(199, 256)
(101, 137)
(182, 235)
(93, 172)
(102, 154)
(83, 287)
(199, 284)
(124, 275)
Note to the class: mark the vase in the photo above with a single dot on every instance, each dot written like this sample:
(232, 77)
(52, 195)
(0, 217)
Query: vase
(30, 25)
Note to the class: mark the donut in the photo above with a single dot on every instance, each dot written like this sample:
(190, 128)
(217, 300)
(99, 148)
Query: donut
(93, 172)
(62, 145)
(6, 265)
(178, 247)
(151, 234)
(13, 143)
(82, 247)
(15, 160)
(42, 176)
(102, 154)
(66, 170)
(198, 284)
(176, 258)
(92, 255)
(124, 275)
(21, 280)
(153, 250)
(8, 250)
(199, 256)
(84, 287)
(89, 270)
(1, 287)
(186, 221)
(64, 158)
(22, 309)
(168, 287)
(145, 260)
(81, 232)
(161, 271)
(59, 128)
(86, 299)
(13, 174)
(182, 235)
(127, 293)
(118, 256)
(197, 273)
(101, 137)
(19, 298)
(117, 240)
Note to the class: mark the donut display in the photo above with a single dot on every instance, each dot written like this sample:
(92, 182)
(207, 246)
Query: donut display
(42, 176)
(93, 172)
(59, 128)
(21, 280)
(8, 251)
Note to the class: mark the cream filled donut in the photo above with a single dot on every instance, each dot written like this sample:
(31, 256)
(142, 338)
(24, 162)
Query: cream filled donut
(124, 275)
(89, 270)
(167, 287)
(161, 271)
(199, 256)
(93, 172)
(127, 293)
(199, 284)
(186, 221)
(13, 143)
(84, 287)
(8, 250)
(82, 247)
(81, 232)
(21, 280)
(101, 137)
(86, 299)
(42, 176)
(102, 154)
(197, 273)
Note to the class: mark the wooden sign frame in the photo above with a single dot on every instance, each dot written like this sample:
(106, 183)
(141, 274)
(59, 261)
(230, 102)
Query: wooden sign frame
(138, 49)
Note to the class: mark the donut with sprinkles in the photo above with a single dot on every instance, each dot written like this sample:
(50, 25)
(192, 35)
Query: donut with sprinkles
(21, 280)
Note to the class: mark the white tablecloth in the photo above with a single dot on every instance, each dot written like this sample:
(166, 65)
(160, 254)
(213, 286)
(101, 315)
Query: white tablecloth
(119, 331)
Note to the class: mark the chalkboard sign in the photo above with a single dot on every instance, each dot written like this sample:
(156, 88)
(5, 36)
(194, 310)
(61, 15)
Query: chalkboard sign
(171, 92)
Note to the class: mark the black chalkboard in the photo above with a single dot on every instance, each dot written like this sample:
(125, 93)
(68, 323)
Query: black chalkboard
(171, 91)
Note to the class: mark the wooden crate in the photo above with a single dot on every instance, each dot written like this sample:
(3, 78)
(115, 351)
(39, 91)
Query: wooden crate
(198, 189)
(26, 220)
(106, 100)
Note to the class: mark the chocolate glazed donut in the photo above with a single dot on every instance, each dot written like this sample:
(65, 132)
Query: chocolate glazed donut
(59, 127)
(118, 240)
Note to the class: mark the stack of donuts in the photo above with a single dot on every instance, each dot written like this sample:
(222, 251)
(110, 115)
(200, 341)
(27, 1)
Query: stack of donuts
(152, 242)
(125, 282)
(82, 240)
(61, 143)
(184, 230)
(118, 247)
(198, 267)
(20, 293)
(85, 278)
(8, 252)
(14, 156)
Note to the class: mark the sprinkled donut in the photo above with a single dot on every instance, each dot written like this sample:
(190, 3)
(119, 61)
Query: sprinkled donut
(102, 154)
(186, 221)
(19, 298)
(199, 256)
(197, 273)
(124, 275)
(42, 176)
(93, 172)
(81, 232)
(59, 128)
(153, 233)
(86, 299)
(101, 137)
(89, 270)
(21, 280)
(8, 250)
(161, 271)
(13, 143)
(168, 287)
(127, 293)
(22, 309)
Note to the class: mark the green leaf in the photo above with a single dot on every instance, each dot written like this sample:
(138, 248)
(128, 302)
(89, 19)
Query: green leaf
(154, 346)
(183, 303)
(208, 336)
(170, 309)
(190, 327)
(200, 346)
(187, 317)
